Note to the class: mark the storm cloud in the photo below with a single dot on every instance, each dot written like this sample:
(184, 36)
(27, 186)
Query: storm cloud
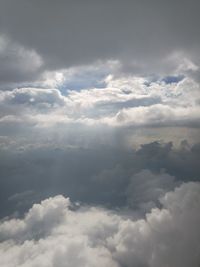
(76, 33)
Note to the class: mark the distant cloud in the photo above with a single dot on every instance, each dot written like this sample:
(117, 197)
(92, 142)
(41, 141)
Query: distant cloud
(33, 97)
(123, 101)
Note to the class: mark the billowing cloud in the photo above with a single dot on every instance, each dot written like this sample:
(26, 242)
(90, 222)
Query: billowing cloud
(125, 101)
(54, 234)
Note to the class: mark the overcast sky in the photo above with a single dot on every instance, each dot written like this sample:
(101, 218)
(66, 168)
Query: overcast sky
(99, 133)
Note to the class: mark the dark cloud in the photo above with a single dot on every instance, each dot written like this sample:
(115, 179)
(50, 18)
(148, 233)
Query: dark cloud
(18, 64)
(101, 174)
(141, 34)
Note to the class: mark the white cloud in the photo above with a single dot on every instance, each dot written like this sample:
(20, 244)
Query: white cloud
(124, 101)
(168, 237)
(53, 234)
(155, 115)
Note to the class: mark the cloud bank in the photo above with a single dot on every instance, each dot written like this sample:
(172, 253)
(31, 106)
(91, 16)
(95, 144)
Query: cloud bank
(73, 33)
(122, 102)
(105, 174)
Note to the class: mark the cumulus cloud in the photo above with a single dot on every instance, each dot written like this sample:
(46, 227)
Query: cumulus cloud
(166, 236)
(125, 101)
(89, 236)
(38, 221)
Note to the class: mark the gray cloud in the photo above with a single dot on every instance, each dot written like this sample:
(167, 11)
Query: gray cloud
(17, 63)
(74, 33)
(146, 188)
(107, 174)
(30, 97)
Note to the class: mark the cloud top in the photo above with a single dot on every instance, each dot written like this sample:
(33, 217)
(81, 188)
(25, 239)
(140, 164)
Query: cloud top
(89, 236)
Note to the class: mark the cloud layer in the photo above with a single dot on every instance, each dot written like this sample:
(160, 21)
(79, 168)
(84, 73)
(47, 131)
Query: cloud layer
(53, 233)
(125, 101)
(102, 173)
(75, 33)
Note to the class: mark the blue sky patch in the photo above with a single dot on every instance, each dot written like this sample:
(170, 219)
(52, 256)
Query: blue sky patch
(173, 79)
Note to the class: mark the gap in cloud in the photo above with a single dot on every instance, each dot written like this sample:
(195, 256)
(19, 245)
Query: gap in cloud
(83, 81)
(169, 79)
(173, 79)
(87, 76)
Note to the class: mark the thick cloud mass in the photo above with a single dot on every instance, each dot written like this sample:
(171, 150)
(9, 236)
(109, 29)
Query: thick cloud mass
(145, 36)
(97, 173)
(126, 101)
(53, 234)
(99, 101)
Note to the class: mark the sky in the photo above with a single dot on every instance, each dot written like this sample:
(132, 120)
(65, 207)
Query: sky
(99, 133)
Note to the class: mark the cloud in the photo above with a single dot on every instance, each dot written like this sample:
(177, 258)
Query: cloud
(166, 235)
(93, 169)
(122, 102)
(17, 63)
(90, 236)
(80, 35)
(38, 221)
(156, 115)
(32, 97)
(95, 100)
(145, 188)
